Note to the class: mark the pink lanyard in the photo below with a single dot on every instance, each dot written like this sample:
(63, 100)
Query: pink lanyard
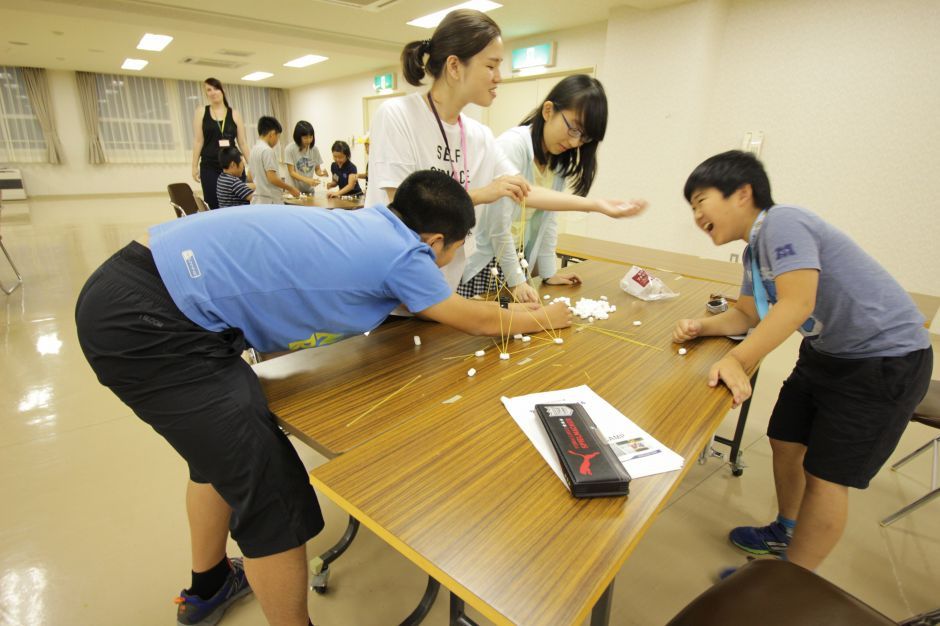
(463, 145)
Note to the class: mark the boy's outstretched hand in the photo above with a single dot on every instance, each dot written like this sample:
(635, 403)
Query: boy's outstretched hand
(686, 330)
(729, 371)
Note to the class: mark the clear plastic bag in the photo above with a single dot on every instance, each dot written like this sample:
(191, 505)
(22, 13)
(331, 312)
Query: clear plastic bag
(639, 283)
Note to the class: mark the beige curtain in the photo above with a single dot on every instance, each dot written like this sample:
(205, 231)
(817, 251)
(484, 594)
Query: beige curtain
(88, 96)
(37, 90)
(281, 110)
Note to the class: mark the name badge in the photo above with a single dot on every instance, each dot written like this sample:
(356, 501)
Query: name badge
(224, 143)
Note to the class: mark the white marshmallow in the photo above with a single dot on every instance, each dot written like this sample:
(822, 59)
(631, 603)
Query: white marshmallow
(517, 336)
(480, 352)
(559, 340)
(503, 356)
(683, 351)
(494, 271)
(471, 372)
(546, 297)
(637, 322)
(526, 339)
(524, 264)
(417, 340)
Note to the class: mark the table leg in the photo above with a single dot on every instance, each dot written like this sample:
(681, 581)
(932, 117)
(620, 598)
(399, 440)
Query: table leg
(737, 468)
(427, 601)
(320, 567)
(457, 616)
(600, 615)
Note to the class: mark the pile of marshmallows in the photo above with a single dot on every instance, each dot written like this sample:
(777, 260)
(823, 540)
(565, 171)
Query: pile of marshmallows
(588, 309)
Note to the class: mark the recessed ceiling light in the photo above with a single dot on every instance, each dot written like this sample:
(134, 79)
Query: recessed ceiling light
(154, 43)
(134, 64)
(433, 19)
(257, 76)
(304, 61)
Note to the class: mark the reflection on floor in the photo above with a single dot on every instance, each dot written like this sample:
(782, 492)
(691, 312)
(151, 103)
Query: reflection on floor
(93, 527)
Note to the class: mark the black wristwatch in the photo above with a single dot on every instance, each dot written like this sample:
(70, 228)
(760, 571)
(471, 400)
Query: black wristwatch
(504, 301)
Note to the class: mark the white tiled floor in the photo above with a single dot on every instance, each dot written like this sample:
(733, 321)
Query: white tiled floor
(93, 529)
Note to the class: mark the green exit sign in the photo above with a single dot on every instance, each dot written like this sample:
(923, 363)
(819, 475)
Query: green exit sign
(542, 55)
(382, 82)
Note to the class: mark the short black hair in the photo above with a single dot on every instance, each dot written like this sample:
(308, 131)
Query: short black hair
(304, 129)
(266, 124)
(342, 146)
(229, 155)
(729, 171)
(430, 201)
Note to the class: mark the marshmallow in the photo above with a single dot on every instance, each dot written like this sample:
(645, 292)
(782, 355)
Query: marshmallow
(546, 297)
(524, 264)
(503, 356)
(494, 271)
(683, 351)
(526, 339)
(480, 352)
(559, 340)
(417, 340)
(637, 322)
(471, 372)
(517, 336)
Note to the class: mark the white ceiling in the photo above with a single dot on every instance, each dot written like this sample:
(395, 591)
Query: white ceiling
(97, 35)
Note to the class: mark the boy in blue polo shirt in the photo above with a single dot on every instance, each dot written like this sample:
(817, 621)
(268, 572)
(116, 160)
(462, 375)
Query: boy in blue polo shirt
(164, 327)
(864, 364)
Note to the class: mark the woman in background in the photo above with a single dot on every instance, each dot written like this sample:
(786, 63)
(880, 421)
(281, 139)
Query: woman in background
(303, 158)
(215, 126)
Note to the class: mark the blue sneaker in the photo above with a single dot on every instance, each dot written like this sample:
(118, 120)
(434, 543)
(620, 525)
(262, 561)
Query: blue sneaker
(770, 539)
(194, 610)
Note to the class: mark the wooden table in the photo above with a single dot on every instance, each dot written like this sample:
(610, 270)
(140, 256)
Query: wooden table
(457, 488)
(321, 200)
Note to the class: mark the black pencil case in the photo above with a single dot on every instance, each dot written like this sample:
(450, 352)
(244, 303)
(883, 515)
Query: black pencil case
(590, 466)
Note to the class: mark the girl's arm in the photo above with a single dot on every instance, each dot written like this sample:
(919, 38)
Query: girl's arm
(240, 134)
(551, 200)
(353, 178)
(198, 141)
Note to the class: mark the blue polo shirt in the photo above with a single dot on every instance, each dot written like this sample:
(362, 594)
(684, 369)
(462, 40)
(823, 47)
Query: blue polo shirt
(295, 277)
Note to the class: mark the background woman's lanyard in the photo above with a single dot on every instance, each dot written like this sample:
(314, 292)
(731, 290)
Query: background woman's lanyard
(463, 145)
(761, 301)
(220, 123)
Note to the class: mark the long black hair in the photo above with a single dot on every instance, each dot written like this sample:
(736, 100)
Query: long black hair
(302, 129)
(586, 95)
(215, 82)
(462, 33)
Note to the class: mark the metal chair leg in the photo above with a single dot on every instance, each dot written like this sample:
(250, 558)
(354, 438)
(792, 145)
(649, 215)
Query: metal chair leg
(910, 507)
(427, 601)
(19, 279)
(320, 566)
(934, 489)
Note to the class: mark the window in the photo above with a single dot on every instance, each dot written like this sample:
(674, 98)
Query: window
(21, 138)
(137, 122)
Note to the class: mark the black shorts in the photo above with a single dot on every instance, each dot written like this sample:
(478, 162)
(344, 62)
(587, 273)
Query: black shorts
(192, 386)
(849, 413)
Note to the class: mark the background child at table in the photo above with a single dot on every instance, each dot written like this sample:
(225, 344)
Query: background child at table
(263, 164)
(303, 158)
(345, 179)
(230, 189)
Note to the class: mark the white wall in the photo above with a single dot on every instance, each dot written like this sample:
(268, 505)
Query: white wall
(846, 94)
(575, 47)
(75, 175)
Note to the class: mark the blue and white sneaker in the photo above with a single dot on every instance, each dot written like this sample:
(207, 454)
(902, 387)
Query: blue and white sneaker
(194, 610)
(770, 539)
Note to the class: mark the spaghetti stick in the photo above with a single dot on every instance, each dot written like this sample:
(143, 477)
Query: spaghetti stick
(381, 402)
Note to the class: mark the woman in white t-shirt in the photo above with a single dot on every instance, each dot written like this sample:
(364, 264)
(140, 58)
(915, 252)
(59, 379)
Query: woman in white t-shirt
(303, 158)
(555, 147)
(427, 130)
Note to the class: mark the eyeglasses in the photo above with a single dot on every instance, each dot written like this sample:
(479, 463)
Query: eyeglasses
(574, 133)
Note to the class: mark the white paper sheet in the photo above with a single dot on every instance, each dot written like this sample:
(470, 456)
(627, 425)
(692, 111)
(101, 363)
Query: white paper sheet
(641, 454)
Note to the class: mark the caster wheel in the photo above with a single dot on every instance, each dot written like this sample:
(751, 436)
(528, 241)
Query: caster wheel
(320, 590)
(737, 471)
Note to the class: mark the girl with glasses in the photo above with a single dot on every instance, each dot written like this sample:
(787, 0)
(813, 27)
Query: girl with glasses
(554, 148)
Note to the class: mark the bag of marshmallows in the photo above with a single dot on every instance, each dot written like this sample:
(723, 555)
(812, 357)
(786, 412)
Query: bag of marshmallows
(637, 282)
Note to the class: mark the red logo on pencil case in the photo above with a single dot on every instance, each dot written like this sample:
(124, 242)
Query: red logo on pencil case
(585, 468)
(642, 278)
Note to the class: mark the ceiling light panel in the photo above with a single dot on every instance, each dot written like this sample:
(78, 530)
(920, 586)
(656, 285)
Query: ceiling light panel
(154, 43)
(433, 19)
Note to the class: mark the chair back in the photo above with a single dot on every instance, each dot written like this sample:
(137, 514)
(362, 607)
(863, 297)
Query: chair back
(181, 194)
(201, 205)
(777, 593)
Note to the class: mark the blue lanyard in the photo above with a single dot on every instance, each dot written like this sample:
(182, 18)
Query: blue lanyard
(761, 301)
